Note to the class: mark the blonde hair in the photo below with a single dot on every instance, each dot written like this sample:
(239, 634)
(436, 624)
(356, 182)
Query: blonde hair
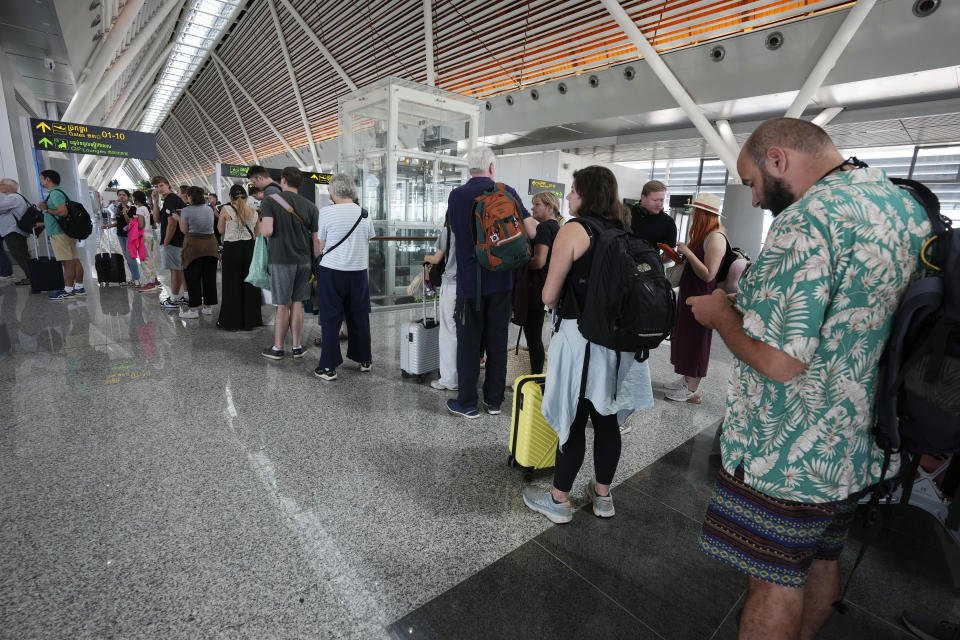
(551, 200)
(244, 212)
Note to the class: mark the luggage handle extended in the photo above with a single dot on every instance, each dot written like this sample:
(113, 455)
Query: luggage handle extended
(46, 244)
(105, 233)
(436, 316)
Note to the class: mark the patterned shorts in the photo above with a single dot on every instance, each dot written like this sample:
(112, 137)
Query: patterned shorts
(771, 539)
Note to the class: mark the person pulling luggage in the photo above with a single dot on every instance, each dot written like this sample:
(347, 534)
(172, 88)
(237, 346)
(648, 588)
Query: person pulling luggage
(610, 382)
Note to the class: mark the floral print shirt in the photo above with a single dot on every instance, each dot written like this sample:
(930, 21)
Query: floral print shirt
(824, 290)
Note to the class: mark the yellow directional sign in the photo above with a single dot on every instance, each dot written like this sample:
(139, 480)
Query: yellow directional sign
(70, 137)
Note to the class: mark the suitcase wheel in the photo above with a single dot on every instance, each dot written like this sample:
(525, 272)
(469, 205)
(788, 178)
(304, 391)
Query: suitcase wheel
(420, 379)
(527, 476)
(511, 462)
(404, 374)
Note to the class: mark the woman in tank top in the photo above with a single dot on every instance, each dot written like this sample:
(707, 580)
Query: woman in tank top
(690, 341)
(239, 301)
(607, 389)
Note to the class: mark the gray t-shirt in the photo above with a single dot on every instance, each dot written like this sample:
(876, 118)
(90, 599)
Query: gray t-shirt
(292, 241)
(450, 253)
(199, 218)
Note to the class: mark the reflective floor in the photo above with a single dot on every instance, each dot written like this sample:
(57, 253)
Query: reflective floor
(163, 480)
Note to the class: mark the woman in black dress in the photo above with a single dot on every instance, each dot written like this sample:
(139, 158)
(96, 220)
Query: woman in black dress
(239, 302)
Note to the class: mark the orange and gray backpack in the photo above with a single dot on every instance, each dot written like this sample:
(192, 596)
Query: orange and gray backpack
(500, 241)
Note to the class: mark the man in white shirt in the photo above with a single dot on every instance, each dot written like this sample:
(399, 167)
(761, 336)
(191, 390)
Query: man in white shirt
(12, 208)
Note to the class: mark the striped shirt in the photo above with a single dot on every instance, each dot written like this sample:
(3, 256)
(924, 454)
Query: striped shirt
(335, 222)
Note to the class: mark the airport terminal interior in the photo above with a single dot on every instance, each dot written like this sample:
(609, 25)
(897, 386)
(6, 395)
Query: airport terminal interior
(161, 479)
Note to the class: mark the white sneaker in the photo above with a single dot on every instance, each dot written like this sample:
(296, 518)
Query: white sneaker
(684, 395)
(206, 310)
(439, 386)
(625, 428)
(189, 313)
(679, 383)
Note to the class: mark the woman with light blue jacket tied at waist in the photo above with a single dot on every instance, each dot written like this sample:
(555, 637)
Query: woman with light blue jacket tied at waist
(608, 389)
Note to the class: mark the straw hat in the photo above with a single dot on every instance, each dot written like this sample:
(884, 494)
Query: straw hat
(708, 202)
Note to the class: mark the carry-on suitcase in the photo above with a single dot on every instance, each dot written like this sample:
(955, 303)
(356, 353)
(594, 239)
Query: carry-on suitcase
(533, 442)
(110, 266)
(46, 274)
(420, 344)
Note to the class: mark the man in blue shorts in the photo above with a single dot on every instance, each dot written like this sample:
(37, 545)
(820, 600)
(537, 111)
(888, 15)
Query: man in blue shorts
(810, 322)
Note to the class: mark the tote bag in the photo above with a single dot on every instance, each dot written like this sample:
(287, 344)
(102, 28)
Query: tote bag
(258, 275)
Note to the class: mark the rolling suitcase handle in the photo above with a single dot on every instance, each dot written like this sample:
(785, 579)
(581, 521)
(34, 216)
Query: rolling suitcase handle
(46, 243)
(436, 315)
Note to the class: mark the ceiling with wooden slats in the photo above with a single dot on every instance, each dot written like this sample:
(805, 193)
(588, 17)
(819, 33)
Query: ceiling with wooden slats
(480, 48)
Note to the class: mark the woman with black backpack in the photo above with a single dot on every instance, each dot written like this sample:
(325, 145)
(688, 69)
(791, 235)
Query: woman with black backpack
(610, 381)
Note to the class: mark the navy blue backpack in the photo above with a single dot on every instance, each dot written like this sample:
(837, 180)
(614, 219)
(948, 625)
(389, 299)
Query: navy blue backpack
(917, 402)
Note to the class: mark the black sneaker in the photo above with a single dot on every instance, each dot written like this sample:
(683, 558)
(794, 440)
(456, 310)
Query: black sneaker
(298, 352)
(325, 374)
(273, 354)
(366, 366)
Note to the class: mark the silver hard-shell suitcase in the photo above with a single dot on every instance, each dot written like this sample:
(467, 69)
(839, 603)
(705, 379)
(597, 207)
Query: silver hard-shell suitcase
(420, 343)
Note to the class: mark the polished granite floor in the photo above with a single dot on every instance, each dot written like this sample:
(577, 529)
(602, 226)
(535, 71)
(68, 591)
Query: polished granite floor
(162, 480)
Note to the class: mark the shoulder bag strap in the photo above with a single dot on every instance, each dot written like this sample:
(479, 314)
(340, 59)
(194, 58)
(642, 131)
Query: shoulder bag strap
(363, 214)
(29, 204)
(289, 209)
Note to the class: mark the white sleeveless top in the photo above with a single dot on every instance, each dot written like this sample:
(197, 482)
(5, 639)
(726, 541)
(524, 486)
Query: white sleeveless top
(235, 230)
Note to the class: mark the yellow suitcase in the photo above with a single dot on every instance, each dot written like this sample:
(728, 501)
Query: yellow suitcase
(533, 443)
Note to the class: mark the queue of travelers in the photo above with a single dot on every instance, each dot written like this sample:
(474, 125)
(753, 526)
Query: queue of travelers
(797, 453)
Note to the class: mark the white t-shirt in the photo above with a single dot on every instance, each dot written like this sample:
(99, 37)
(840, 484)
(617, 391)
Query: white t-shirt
(335, 221)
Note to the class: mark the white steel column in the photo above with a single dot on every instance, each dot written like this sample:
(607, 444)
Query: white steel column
(206, 133)
(673, 85)
(128, 117)
(93, 73)
(191, 143)
(830, 56)
(125, 59)
(428, 40)
(293, 82)
(175, 159)
(824, 117)
(723, 126)
(319, 45)
(254, 104)
(236, 112)
(198, 107)
(119, 109)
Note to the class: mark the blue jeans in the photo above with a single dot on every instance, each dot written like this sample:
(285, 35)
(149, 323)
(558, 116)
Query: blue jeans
(343, 295)
(131, 259)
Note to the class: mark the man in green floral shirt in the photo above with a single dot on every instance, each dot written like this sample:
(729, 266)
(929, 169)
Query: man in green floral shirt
(810, 323)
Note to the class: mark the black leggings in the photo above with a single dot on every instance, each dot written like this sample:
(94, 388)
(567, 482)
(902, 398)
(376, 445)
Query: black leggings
(606, 448)
(201, 276)
(533, 331)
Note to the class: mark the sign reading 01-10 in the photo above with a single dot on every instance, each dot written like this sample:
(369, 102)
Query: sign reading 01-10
(539, 186)
(70, 137)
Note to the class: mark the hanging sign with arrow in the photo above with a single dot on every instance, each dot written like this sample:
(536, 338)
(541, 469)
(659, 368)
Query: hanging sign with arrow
(69, 137)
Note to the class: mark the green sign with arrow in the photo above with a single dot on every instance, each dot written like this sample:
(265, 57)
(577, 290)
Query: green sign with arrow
(69, 137)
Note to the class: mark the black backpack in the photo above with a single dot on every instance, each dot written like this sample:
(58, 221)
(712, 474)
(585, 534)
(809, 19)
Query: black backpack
(30, 218)
(918, 393)
(77, 223)
(917, 399)
(630, 305)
